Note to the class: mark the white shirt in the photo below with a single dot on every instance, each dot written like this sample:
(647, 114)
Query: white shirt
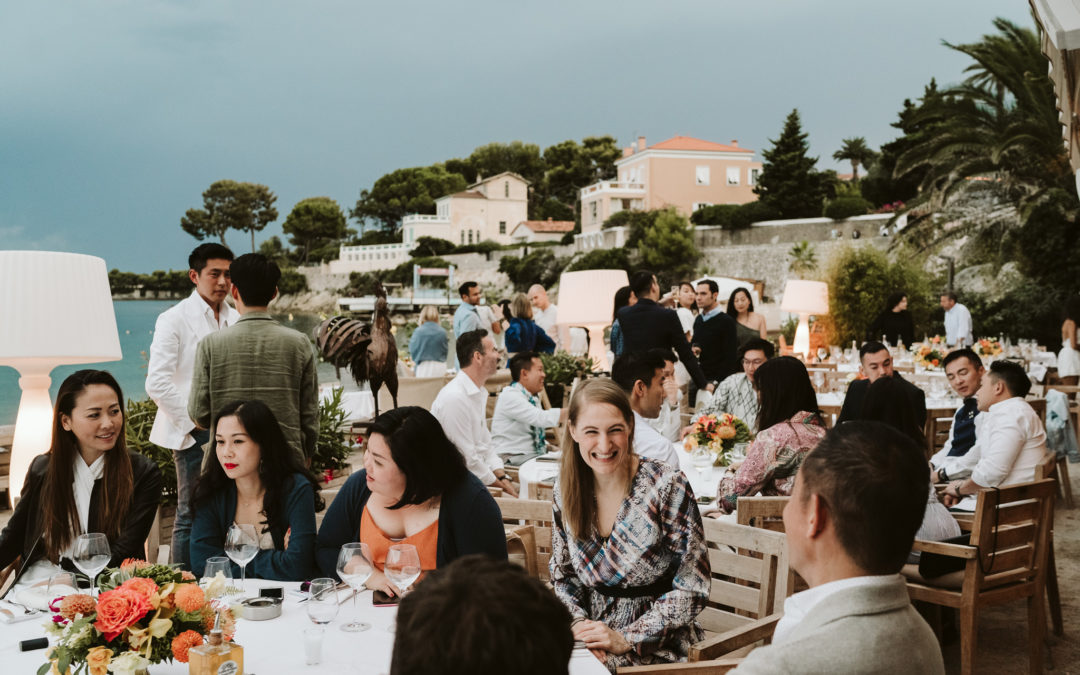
(686, 318)
(669, 422)
(460, 408)
(83, 487)
(514, 419)
(799, 605)
(958, 325)
(547, 319)
(172, 358)
(649, 443)
(487, 318)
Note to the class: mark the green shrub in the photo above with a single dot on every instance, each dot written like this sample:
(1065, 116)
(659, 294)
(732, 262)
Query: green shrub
(139, 419)
(485, 247)
(716, 214)
(292, 282)
(753, 212)
(668, 248)
(601, 259)
(538, 267)
(846, 207)
(636, 221)
(331, 448)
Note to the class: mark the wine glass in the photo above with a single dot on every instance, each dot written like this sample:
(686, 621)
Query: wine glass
(402, 566)
(91, 555)
(702, 460)
(215, 566)
(354, 566)
(822, 354)
(819, 381)
(241, 545)
(322, 604)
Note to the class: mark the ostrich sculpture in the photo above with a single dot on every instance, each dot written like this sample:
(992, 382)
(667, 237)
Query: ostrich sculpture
(368, 349)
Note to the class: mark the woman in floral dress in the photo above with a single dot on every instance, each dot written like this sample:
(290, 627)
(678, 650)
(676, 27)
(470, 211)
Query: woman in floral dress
(629, 558)
(791, 427)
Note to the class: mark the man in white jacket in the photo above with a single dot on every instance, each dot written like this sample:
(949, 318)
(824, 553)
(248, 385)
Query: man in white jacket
(168, 378)
(519, 421)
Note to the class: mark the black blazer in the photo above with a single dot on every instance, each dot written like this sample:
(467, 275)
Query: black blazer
(23, 533)
(856, 395)
(647, 325)
(718, 342)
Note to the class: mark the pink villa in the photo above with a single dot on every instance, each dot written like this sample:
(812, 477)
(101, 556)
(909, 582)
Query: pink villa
(683, 172)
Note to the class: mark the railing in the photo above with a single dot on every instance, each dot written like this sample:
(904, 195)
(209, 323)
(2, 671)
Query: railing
(377, 247)
(414, 218)
(612, 186)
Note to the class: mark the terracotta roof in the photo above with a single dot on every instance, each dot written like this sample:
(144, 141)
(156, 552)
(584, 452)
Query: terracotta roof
(472, 194)
(548, 225)
(688, 143)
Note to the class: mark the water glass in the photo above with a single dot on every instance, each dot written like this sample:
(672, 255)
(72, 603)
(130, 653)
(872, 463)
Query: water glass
(91, 555)
(62, 584)
(241, 545)
(702, 460)
(313, 642)
(402, 566)
(322, 603)
(215, 566)
(354, 566)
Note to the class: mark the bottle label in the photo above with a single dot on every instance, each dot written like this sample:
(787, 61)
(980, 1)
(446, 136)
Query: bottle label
(228, 668)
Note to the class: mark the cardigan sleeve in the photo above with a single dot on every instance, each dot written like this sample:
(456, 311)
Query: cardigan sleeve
(208, 533)
(474, 522)
(341, 525)
(296, 562)
(140, 517)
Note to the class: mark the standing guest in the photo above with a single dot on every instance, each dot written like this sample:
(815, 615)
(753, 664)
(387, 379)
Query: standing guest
(624, 297)
(258, 357)
(519, 421)
(850, 523)
(428, 345)
(958, 328)
(491, 320)
(254, 480)
(414, 489)
(686, 307)
(168, 375)
(461, 408)
(1068, 363)
(715, 334)
(545, 314)
(965, 370)
(791, 426)
(875, 361)
(736, 394)
(641, 376)
(894, 323)
(628, 549)
(88, 481)
(466, 317)
(748, 323)
(668, 422)
(523, 334)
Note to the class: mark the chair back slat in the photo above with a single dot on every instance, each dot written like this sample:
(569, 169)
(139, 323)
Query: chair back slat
(763, 512)
(1017, 513)
(1012, 558)
(738, 566)
(749, 574)
(539, 514)
(728, 594)
(1011, 532)
(716, 621)
(1011, 536)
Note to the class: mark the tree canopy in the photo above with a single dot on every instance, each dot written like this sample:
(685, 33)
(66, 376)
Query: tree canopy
(405, 191)
(788, 182)
(856, 151)
(231, 205)
(316, 225)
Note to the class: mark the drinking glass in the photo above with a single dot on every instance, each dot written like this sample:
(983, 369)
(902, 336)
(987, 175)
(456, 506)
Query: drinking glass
(702, 460)
(214, 566)
(322, 604)
(819, 381)
(738, 453)
(241, 545)
(61, 584)
(822, 354)
(402, 566)
(354, 566)
(91, 555)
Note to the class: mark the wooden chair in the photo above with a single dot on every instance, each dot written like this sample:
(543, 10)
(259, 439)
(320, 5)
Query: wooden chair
(419, 391)
(764, 512)
(1064, 484)
(542, 491)
(539, 514)
(7, 437)
(938, 425)
(1047, 469)
(1005, 561)
(830, 413)
(521, 548)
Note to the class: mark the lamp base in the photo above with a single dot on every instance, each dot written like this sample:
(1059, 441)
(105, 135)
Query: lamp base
(597, 350)
(33, 426)
(801, 343)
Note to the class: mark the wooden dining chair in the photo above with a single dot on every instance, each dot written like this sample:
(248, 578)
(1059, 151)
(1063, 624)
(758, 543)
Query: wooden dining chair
(1046, 469)
(1064, 484)
(539, 514)
(1005, 561)
(938, 425)
(542, 491)
(764, 512)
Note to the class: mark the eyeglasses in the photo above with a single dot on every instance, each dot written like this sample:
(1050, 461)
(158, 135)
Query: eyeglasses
(755, 362)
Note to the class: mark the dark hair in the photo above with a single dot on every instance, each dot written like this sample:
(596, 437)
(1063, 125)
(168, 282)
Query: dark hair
(949, 294)
(871, 347)
(757, 344)
(256, 278)
(59, 515)
(665, 354)
(463, 289)
(206, 252)
(641, 283)
(893, 300)
(964, 353)
(693, 305)
(1013, 375)
(713, 287)
(731, 311)
(1072, 308)
(278, 463)
(633, 366)
(622, 299)
(469, 343)
(785, 389)
(419, 446)
(462, 619)
(873, 480)
(887, 402)
(519, 363)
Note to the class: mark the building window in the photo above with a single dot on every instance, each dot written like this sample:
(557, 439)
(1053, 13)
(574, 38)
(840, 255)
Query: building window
(463, 237)
(733, 175)
(754, 173)
(699, 205)
(593, 207)
(502, 227)
(470, 236)
(506, 189)
(626, 204)
(701, 175)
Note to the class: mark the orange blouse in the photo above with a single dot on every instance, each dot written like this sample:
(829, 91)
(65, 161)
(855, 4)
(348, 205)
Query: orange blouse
(379, 544)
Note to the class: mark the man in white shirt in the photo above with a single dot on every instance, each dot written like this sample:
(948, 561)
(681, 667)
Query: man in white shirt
(545, 314)
(1010, 439)
(668, 422)
(641, 376)
(858, 500)
(517, 426)
(958, 326)
(461, 405)
(168, 376)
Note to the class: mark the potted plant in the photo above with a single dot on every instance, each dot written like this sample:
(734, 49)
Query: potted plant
(332, 448)
(561, 369)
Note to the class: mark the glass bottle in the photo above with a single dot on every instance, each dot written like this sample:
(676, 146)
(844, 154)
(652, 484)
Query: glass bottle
(216, 657)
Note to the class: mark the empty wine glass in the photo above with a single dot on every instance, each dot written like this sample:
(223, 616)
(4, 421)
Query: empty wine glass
(354, 567)
(322, 604)
(60, 585)
(215, 566)
(822, 354)
(91, 555)
(702, 460)
(402, 566)
(241, 545)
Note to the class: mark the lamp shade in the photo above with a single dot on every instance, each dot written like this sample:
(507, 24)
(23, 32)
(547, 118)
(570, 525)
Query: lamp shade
(805, 297)
(586, 297)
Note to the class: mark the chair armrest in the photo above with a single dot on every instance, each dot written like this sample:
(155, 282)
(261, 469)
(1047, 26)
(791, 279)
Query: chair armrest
(942, 548)
(701, 668)
(744, 636)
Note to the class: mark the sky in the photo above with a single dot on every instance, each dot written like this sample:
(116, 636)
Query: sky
(116, 115)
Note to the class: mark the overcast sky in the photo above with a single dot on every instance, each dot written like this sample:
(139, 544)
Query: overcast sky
(116, 115)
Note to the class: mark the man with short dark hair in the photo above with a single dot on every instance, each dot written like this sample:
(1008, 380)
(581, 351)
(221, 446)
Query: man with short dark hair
(258, 358)
(466, 318)
(641, 376)
(177, 333)
(736, 394)
(519, 421)
(714, 335)
(875, 361)
(958, 328)
(858, 500)
(668, 422)
(481, 615)
(964, 369)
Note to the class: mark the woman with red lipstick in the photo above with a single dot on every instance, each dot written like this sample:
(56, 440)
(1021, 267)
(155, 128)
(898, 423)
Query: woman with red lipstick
(88, 481)
(254, 479)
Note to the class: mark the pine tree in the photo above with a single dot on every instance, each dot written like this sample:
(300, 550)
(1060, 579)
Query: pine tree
(788, 180)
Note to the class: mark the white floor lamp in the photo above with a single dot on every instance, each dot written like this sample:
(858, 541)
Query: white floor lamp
(586, 298)
(56, 309)
(804, 298)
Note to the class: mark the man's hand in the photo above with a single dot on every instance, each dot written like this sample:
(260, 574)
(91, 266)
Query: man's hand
(506, 485)
(671, 391)
(685, 430)
(710, 387)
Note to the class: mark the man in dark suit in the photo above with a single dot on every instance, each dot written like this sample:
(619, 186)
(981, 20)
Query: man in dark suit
(875, 362)
(646, 325)
(714, 334)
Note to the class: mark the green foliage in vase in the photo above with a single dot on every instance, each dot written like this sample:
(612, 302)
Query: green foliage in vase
(331, 449)
(139, 419)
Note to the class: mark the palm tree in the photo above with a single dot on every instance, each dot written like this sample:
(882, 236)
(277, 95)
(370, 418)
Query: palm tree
(803, 259)
(856, 151)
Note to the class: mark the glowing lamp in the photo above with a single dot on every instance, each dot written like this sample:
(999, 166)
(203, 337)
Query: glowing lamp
(804, 298)
(585, 299)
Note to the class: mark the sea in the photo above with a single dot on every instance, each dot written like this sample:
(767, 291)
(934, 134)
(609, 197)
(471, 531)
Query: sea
(135, 322)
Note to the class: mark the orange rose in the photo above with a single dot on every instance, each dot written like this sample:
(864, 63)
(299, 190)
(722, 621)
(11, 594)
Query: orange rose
(97, 659)
(187, 576)
(118, 609)
(726, 432)
(934, 362)
(129, 565)
(183, 642)
(141, 585)
(189, 597)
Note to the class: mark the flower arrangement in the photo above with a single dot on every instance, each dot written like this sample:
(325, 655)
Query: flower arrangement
(988, 348)
(143, 614)
(928, 356)
(718, 434)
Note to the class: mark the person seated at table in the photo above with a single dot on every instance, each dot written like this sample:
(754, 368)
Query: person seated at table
(641, 376)
(519, 421)
(736, 394)
(414, 489)
(667, 423)
(481, 615)
(791, 426)
(964, 369)
(88, 481)
(252, 479)
(523, 335)
(428, 344)
(850, 523)
(1011, 439)
(875, 361)
(894, 323)
(628, 550)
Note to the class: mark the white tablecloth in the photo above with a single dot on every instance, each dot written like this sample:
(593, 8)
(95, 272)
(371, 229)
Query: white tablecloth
(359, 405)
(277, 646)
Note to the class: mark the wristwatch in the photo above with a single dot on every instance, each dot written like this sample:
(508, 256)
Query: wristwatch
(942, 476)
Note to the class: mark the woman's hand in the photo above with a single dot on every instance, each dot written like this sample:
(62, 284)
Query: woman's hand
(378, 582)
(600, 639)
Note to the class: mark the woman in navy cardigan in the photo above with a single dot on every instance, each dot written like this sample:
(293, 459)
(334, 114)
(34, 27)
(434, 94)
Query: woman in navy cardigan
(254, 478)
(414, 489)
(523, 334)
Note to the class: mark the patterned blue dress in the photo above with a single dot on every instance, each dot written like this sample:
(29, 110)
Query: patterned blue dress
(657, 537)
